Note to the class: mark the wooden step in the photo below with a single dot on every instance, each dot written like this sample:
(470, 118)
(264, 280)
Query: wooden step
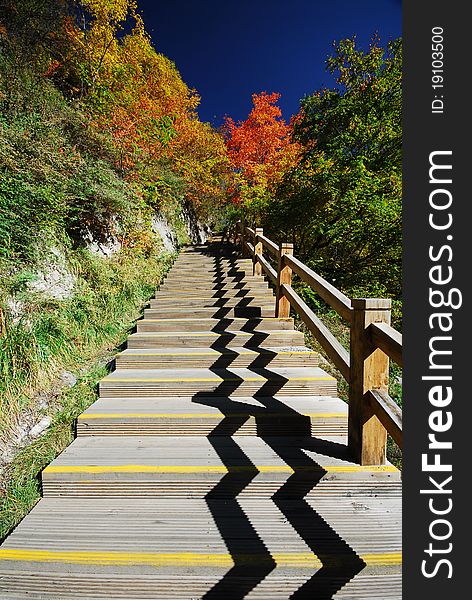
(213, 263)
(176, 487)
(109, 584)
(213, 290)
(286, 381)
(210, 275)
(210, 312)
(270, 416)
(191, 302)
(205, 339)
(213, 272)
(210, 357)
(262, 294)
(199, 324)
(238, 285)
(86, 548)
(202, 258)
(107, 461)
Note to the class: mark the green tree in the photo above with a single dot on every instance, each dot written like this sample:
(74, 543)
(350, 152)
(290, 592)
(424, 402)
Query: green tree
(341, 204)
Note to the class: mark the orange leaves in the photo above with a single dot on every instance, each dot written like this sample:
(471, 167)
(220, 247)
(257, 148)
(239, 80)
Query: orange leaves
(201, 154)
(53, 66)
(260, 148)
(137, 98)
(256, 140)
(133, 93)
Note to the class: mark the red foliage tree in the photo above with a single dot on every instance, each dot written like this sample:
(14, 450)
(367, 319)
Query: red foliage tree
(260, 148)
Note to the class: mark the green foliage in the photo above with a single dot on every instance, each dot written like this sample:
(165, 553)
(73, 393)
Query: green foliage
(341, 204)
(56, 174)
(78, 334)
(23, 209)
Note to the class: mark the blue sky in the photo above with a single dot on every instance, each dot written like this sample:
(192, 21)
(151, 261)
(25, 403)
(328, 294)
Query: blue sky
(229, 49)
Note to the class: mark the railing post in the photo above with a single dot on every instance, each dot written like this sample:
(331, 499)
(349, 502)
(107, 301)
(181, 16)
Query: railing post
(243, 240)
(258, 248)
(367, 436)
(235, 233)
(284, 275)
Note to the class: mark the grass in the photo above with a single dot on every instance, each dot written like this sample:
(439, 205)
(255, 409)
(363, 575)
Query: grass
(23, 489)
(56, 335)
(78, 336)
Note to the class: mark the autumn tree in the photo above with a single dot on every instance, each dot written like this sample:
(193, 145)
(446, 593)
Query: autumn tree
(136, 96)
(138, 113)
(260, 150)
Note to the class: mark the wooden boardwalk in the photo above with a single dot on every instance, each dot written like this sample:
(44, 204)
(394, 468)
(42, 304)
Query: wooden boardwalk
(213, 465)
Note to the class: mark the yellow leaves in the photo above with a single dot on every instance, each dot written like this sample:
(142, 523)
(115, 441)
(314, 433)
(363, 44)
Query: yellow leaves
(111, 11)
(200, 151)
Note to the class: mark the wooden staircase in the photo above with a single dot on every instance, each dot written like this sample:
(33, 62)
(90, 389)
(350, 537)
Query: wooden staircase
(213, 465)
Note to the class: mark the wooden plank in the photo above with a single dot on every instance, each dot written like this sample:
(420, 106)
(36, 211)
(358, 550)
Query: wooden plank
(243, 239)
(330, 294)
(284, 277)
(269, 244)
(388, 413)
(369, 370)
(250, 248)
(388, 339)
(258, 250)
(333, 348)
(267, 268)
(94, 540)
(227, 338)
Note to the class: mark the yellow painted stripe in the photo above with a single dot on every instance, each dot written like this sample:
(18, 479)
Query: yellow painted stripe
(111, 379)
(85, 416)
(213, 333)
(215, 319)
(215, 469)
(170, 290)
(183, 559)
(239, 353)
(252, 295)
(386, 558)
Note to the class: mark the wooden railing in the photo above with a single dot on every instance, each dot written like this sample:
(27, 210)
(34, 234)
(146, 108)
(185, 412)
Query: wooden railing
(372, 412)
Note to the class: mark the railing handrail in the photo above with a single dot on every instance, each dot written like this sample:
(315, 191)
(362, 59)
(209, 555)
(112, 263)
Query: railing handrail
(388, 412)
(331, 295)
(267, 268)
(333, 348)
(269, 244)
(388, 339)
(372, 342)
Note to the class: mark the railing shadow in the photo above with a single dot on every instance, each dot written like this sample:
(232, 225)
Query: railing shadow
(339, 561)
(238, 533)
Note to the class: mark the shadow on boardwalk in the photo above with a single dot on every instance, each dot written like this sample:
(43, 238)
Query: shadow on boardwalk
(339, 561)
